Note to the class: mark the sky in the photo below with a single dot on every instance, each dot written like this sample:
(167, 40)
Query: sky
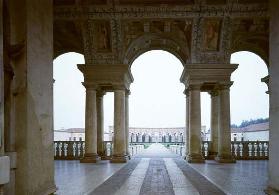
(157, 98)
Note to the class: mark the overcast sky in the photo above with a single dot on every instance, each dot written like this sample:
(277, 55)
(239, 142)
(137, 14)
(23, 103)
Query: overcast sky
(157, 98)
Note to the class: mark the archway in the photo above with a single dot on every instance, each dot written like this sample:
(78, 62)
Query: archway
(249, 101)
(157, 102)
(69, 94)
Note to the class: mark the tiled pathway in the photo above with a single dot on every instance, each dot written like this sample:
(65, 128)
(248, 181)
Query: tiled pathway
(157, 172)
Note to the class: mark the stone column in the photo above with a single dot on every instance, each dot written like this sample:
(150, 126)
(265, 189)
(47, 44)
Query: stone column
(100, 125)
(195, 153)
(224, 131)
(119, 150)
(90, 155)
(273, 170)
(214, 124)
(187, 124)
(127, 122)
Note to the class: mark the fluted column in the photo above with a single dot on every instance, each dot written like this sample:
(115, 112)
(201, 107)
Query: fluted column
(119, 150)
(195, 153)
(127, 122)
(214, 123)
(187, 124)
(100, 124)
(90, 155)
(224, 131)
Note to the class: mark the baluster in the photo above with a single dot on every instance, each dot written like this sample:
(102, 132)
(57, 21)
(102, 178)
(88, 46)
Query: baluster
(250, 145)
(203, 150)
(60, 149)
(267, 150)
(74, 150)
(255, 150)
(70, 150)
(237, 151)
(240, 150)
(79, 145)
(245, 150)
(260, 150)
(83, 148)
(65, 147)
(55, 151)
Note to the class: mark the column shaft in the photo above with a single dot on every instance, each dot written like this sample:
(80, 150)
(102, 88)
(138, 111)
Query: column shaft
(100, 125)
(90, 155)
(127, 123)
(224, 131)
(187, 126)
(195, 154)
(214, 124)
(119, 150)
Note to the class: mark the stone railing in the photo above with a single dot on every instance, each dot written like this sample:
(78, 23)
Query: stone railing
(74, 150)
(246, 150)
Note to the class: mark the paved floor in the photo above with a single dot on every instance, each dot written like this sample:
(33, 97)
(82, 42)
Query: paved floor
(244, 177)
(159, 172)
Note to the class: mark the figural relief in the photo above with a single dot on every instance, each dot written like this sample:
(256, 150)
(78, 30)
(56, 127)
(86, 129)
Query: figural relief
(211, 34)
(103, 36)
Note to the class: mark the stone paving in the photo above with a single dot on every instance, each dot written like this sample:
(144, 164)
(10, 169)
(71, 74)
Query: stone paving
(157, 180)
(158, 171)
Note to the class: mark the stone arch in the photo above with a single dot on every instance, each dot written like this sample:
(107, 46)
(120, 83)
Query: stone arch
(256, 51)
(155, 42)
(67, 37)
(251, 35)
(67, 52)
(242, 45)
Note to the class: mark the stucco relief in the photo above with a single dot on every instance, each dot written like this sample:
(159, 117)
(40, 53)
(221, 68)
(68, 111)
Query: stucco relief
(168, 34)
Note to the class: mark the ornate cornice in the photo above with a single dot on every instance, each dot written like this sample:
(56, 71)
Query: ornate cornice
(186, 11)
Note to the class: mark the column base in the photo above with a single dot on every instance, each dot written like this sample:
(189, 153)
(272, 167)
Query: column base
(90, 158)
(119, 159)
(225, 159)
(195, 158)
(212, 155)
(271, 191)
(103, 156)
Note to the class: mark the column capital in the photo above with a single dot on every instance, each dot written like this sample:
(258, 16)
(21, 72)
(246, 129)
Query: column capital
(186, 92)
(225, 86)
(100, 93)
(214, 93)
(119, 87)
(192, 87)
(90, 86)
(127, 92)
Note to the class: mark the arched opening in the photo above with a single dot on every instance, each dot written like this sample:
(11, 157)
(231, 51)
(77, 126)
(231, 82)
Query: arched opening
(249, 100)
(69, 98)
(157, 102)
(69, 106)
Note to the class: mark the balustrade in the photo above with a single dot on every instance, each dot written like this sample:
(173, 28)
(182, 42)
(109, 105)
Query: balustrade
(241, 150)
(74, 150)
